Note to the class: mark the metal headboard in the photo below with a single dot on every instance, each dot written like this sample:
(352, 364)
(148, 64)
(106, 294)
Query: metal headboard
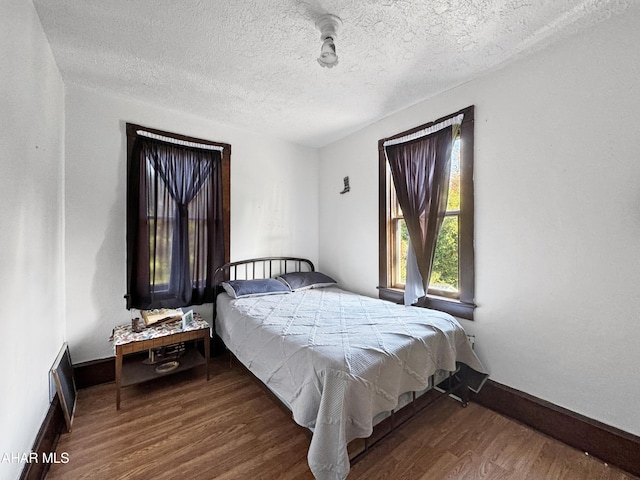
(265, 267)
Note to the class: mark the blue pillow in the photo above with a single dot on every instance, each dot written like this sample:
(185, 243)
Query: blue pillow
(254, 288)
(303, 280)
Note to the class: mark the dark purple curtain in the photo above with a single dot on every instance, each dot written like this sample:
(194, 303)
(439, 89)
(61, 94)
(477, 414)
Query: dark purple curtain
(420, 169)
(177, 233)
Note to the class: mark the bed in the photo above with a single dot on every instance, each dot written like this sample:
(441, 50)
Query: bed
(340, 362)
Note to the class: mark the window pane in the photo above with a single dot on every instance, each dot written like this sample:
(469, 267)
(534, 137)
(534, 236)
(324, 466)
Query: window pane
(402, 243)
(453, 202)
(444, 276)
(198, 236)
(159, 204)
(160, 247)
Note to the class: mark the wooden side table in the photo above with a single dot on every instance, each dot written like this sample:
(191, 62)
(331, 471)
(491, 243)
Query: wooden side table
(126, 341)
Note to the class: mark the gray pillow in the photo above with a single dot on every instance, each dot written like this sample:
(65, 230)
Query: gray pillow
(303, 280)
(254, 288)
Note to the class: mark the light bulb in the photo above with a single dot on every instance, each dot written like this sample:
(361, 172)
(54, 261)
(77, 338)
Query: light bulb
(328, 57)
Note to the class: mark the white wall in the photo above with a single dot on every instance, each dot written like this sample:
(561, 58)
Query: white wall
(274, 205)
(557, 181)
(31, 219)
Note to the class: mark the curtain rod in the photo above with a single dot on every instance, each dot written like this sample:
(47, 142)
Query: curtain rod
(457, 120)
(175, 141)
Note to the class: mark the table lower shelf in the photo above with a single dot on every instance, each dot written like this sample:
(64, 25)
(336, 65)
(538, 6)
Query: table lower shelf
(135, 371)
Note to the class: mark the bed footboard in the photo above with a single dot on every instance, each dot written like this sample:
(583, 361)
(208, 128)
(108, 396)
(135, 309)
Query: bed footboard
(450, 386)
(360, 447)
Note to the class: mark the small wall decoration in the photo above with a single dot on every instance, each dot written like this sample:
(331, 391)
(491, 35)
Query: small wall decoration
(346, 185)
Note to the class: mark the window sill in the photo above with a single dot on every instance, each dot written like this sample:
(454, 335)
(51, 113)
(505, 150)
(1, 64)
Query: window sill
(448, 305)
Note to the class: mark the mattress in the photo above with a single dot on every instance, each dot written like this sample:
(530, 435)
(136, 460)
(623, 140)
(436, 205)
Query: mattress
(340, 359)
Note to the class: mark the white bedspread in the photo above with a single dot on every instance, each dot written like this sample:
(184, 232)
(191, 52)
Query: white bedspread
(338, 359)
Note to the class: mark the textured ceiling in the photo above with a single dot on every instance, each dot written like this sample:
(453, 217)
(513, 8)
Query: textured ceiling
(252, 63)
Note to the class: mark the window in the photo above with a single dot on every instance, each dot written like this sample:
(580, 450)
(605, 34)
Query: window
(451, 282)
(177, 218)
(445, 274)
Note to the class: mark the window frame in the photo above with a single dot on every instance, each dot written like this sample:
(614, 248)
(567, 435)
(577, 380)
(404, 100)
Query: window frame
(463, 306)
(131, 131)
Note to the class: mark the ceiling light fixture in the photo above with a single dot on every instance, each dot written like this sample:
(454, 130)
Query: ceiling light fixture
(328, 26)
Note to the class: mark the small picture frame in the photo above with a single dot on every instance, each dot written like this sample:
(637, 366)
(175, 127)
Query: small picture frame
(62, 372)
(187, 320)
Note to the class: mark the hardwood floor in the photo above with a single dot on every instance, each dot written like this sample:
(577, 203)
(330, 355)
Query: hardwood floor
(182, 427)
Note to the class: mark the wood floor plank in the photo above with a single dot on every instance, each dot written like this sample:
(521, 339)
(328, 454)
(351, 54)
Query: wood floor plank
(183, 427)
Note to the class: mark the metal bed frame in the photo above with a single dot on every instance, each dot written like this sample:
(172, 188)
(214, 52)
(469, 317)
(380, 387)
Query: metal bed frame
(267, 267)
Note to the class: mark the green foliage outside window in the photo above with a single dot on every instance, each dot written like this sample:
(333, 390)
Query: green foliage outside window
(444, 275)
(445, 272)
(161, 239)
